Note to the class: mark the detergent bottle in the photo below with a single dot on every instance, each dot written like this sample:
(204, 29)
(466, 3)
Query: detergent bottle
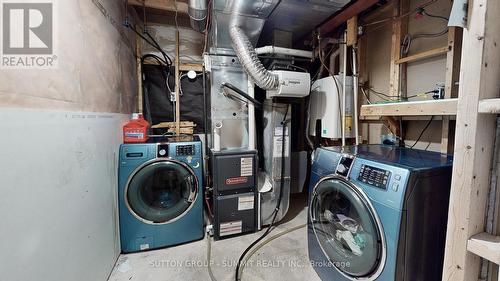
(136, 130)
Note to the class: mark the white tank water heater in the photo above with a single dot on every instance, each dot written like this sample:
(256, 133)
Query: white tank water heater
(326, 104)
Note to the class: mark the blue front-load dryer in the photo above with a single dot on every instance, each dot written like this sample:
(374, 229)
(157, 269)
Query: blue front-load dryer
(160, 193)
(378, 213)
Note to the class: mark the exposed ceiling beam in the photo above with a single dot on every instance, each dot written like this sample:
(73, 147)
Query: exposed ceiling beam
(157, 16)
(341, 17)
(166, 5)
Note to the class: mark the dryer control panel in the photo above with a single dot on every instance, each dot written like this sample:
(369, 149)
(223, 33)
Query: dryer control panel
(374, 176)
(185, 150)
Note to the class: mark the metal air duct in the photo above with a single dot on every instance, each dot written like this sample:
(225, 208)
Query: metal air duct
(250, 61)
(198, 13)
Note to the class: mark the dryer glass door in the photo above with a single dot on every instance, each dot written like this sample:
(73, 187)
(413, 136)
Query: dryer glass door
(346, 228)
(162, 191)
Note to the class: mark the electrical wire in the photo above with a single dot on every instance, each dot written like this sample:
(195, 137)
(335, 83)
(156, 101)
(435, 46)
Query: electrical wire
(408, 39)
(386, 97)
(266, 242)
(278, 203)
(153, 43)
(390, 19)
(423, 131)
(205, 32)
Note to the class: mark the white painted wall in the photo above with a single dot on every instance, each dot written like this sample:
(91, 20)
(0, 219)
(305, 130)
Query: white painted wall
(58, 186)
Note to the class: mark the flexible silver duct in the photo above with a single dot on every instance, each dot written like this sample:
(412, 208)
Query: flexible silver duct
(198, 13)
(250, 61)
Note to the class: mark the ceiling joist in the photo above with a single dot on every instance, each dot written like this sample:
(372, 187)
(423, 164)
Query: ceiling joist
(165, 5)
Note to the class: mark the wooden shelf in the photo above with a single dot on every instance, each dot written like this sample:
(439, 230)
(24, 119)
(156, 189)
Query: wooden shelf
(423, 55)
(491, 106)
(377, 119)
(413, 108)
(486, 246)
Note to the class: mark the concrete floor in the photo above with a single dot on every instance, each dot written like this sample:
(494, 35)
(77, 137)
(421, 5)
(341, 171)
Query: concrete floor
(282, 259)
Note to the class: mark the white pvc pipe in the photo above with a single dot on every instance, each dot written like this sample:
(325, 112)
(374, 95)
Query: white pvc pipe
(217, 129)
(283, 51)
(344, 69)
(355, 88)
(251, 117)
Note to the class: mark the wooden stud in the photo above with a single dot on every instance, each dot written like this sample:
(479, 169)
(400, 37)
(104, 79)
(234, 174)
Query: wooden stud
(475, 133)
(352, 31)
(451, 85)
(399, 29)
(177, 85)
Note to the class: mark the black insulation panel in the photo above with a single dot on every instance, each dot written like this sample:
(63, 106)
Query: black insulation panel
(156, 99)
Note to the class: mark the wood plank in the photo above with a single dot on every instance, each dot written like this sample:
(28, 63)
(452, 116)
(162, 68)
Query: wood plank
(166, 5)
(453, 58)
(413, 108)
(486, 246)
(352, 31)
(182, 66)
(475, 133)
(489, 106)
(399, 29)
(377, 119)
(423, 55)
(191, 66)
(340, 18)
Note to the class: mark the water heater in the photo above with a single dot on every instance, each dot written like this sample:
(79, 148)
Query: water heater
(326, 105)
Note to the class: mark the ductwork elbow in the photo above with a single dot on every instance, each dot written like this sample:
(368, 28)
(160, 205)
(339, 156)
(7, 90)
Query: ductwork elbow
(197, 11)
(250, 61)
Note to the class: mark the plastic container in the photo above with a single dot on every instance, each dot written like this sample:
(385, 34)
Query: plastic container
(136, 130)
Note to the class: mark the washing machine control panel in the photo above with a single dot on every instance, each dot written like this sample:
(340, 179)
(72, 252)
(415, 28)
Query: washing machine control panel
(162, 150)
(185, 150)
(374, 176)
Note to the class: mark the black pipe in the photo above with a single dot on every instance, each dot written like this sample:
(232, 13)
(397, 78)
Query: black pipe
(243, 94)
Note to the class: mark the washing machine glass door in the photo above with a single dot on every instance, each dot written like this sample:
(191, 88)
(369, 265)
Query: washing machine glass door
(161, 191)
(347, 228)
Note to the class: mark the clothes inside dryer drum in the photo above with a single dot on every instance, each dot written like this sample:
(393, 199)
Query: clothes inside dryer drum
(161, 191)
(345, 228)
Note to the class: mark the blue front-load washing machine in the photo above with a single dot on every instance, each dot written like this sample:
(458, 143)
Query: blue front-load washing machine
(378, 213)
(160, 193)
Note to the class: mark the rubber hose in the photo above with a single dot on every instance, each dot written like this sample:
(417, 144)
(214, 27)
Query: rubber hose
(209, 259)
(264, 243)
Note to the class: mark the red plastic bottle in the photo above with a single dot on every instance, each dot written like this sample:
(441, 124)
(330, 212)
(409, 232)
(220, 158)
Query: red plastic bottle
(136, 130)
